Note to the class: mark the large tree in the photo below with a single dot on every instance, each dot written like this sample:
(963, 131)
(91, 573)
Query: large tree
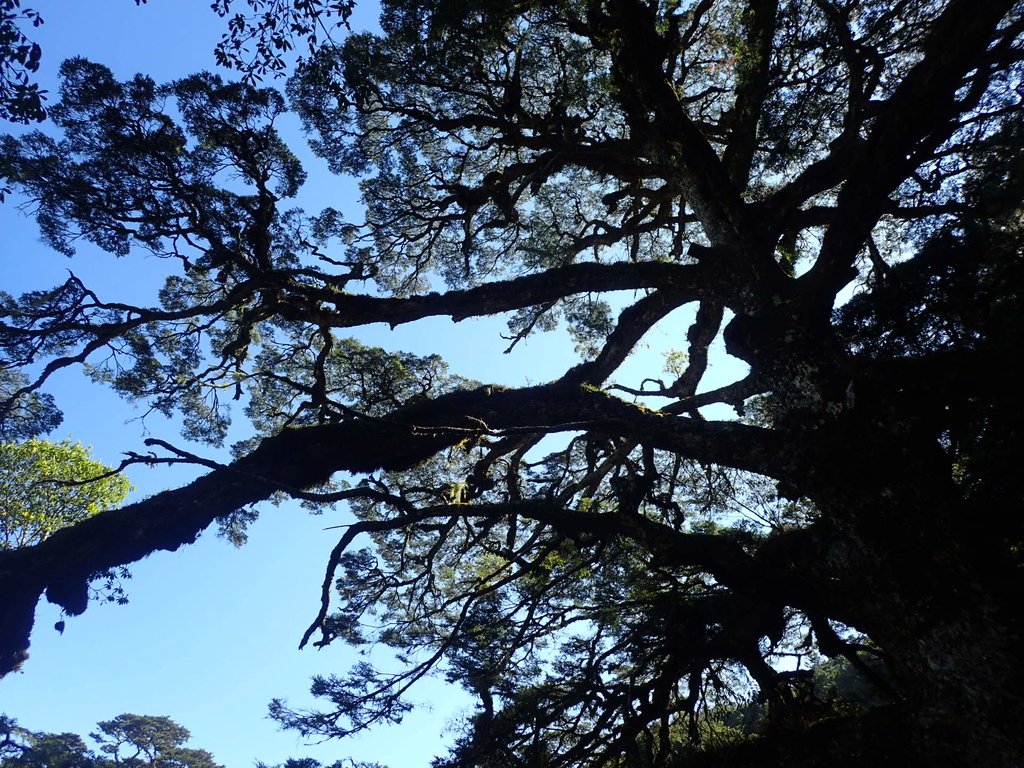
(832, 189)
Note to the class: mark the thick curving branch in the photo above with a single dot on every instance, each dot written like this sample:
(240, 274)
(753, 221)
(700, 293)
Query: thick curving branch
(920, 115)
(63, 565)
(351, 310)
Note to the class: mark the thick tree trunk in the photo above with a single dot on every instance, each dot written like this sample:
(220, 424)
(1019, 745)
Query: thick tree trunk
(936, 597)
(964, 699)
(952, 646)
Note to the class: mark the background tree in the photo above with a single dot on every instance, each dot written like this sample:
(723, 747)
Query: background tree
(47, 486)
(606, 574)
(146, 741)
(131, 741)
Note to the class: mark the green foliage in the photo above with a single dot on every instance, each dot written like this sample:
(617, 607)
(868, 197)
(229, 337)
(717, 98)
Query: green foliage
(590, 322)
(675, 362)
(47, 486)
(473, 222)
(145, 741)
(366, 379)
(127, 741)
(308, 762)
(846, 690)
(118, 137)
(122, 145)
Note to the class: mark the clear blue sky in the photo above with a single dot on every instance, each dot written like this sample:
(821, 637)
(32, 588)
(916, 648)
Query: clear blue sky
(210, 634)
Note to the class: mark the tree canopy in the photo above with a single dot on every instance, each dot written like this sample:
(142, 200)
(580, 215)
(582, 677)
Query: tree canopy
(831, 191)
(257, 43)
(127, 741)
(46, 486)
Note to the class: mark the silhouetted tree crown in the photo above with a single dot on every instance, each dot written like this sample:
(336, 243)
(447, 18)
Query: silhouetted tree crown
(263, 37)
(619, 572)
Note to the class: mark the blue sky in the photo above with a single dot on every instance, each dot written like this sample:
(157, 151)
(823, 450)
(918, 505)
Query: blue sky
(210, 634)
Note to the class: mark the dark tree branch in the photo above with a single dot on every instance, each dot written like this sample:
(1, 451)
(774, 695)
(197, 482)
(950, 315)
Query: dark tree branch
(501, 296)
(304, 457)
(918, 117)
(638, 63)
(752, 87)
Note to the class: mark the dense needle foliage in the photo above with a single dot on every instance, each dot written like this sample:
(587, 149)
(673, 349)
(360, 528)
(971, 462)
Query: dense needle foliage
(621, 572)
